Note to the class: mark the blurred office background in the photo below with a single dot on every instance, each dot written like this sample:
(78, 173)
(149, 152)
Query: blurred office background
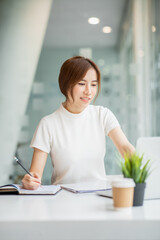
(37, 36)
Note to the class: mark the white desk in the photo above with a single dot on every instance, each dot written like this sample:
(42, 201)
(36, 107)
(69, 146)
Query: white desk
(75, 216)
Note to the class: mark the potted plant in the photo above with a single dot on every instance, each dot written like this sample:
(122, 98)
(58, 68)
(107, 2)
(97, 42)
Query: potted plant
(132, 166)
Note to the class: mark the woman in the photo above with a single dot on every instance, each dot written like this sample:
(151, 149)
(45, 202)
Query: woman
(74, 135)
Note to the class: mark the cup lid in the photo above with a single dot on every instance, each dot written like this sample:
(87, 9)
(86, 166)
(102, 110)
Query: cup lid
(123, 183)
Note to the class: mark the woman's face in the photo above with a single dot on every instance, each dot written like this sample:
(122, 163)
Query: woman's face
(83, 92)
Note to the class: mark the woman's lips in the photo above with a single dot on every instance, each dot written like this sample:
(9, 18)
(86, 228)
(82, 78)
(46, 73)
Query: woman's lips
(85, 99)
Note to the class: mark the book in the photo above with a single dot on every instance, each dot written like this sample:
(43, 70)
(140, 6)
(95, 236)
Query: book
(87, 187)
(17, 189)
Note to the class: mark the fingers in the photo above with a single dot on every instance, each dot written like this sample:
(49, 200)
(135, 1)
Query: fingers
(31, 183)
(36, 176)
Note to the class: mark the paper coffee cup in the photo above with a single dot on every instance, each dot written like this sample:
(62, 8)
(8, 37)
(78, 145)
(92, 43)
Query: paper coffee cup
(123, 191)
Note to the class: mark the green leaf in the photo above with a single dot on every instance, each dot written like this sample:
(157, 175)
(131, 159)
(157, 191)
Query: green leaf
(145, 171)
(131, 167)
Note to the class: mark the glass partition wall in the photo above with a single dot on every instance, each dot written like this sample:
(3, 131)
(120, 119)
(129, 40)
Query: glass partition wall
(139, 56)
(155, 66)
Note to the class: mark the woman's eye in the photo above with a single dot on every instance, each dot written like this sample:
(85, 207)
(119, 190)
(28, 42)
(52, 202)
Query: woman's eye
(81, 84)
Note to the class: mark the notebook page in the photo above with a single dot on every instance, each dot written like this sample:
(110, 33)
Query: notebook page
(43, 189)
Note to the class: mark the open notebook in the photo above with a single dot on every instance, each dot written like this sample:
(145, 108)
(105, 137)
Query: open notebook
(42, 190)
(83, 187)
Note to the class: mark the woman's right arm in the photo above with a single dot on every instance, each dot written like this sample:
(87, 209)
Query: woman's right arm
(37, 166)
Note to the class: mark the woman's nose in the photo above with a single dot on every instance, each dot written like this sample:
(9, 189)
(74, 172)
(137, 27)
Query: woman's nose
(87, 90)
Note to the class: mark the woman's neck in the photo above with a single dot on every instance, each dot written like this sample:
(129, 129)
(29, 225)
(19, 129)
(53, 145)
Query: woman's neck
(71, 107)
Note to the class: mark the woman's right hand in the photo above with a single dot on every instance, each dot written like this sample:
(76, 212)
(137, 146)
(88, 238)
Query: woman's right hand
(31, 183)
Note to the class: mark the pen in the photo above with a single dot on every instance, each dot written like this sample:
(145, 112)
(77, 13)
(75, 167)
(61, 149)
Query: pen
(22, 166)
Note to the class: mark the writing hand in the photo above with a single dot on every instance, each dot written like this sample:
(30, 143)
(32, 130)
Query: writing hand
(31, 182)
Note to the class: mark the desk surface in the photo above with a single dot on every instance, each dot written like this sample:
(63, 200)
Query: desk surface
(75, 216)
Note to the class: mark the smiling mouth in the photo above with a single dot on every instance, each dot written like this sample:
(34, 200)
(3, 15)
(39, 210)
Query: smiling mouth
(85, 99)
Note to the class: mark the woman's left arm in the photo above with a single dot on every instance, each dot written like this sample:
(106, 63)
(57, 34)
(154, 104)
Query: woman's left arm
(121, 142)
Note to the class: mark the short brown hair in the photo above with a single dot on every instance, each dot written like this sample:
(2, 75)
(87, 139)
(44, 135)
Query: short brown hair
(73, 70)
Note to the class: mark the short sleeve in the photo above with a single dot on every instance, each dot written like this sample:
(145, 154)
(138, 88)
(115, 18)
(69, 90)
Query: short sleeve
(110, 121)
(42, 138)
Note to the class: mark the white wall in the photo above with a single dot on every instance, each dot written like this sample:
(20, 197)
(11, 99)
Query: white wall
(22, 29)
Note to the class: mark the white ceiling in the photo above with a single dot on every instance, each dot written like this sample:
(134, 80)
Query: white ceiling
(68, 23)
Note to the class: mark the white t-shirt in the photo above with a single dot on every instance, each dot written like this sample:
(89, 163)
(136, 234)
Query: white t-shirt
(76, 142)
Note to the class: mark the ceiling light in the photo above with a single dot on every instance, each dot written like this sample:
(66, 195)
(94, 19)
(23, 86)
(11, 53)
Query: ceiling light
(93, 20)
(107, 29)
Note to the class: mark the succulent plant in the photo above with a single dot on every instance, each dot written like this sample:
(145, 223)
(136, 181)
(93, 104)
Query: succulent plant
(132, 166)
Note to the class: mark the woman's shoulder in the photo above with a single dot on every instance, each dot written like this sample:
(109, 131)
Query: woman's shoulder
(50, 117)
(102, 112)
